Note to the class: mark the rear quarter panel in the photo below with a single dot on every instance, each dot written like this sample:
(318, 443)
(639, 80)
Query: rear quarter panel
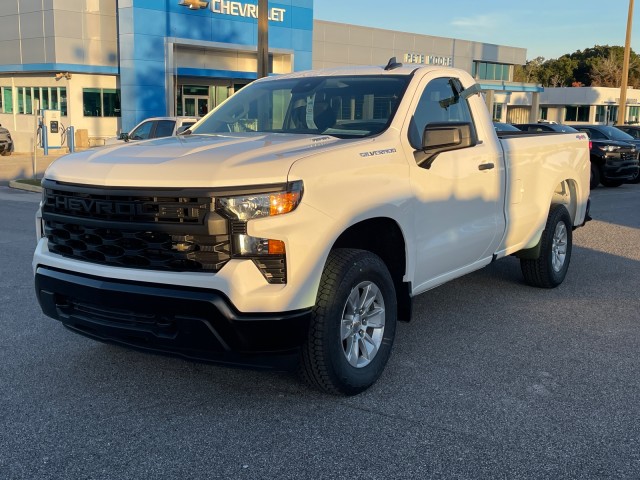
(536, 167)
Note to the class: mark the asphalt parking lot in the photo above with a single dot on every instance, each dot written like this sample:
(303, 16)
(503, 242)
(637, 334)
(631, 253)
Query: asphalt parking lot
(491, 379)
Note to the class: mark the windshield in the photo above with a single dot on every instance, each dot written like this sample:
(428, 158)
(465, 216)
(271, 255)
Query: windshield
(615, 134)
(342, 106)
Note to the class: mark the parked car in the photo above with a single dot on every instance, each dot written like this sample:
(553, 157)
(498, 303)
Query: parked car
(6, 142)
(614, 155)
(545, 127)
(155, 127)
(633, 130)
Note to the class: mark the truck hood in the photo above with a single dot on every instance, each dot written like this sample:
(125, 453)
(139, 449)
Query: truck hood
(192, 161)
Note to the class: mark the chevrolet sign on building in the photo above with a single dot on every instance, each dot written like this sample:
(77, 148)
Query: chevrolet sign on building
(236, 9)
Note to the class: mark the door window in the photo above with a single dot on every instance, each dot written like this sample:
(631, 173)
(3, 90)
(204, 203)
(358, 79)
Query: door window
(142, 131)
(164, 128)
(440, 102)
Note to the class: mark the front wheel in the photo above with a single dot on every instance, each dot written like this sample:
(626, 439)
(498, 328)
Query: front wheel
(550, 268)
(353, 324)
(610, 183)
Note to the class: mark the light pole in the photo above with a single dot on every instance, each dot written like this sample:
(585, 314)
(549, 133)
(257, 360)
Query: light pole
(622, 113)
(263, 38)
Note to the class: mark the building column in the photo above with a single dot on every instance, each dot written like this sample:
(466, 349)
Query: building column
(142, 62)
(535, 107)
(488, 98)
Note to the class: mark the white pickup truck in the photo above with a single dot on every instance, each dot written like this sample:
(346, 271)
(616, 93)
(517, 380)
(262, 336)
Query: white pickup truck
(294, 223)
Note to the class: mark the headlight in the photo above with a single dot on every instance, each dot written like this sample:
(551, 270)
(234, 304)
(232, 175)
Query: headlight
(268, 254)
(609, 148)
(247, 207)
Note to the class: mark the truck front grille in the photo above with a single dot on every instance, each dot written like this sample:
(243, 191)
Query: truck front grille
(137, 248)
(168, 230)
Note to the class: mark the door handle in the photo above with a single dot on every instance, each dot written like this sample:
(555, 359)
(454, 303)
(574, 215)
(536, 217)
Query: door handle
(486, 166)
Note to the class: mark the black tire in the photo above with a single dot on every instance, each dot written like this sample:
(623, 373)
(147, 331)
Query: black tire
(595, 176)
(542, 272)
(635, 178)
(324, 364)
(6, 153)
(610, 183)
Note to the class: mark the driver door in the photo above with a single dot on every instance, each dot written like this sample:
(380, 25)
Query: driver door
(458, 216)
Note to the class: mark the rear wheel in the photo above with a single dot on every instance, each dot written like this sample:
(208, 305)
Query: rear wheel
(353, 324)
(550, 268)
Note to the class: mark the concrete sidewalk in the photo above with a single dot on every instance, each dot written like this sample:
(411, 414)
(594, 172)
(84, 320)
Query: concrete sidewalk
(21, 165)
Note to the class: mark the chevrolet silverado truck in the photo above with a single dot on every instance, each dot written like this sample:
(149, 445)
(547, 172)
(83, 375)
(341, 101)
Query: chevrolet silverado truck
(293, 225)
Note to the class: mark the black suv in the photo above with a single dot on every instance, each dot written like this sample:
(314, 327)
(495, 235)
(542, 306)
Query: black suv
(614, 155)
(6, 143)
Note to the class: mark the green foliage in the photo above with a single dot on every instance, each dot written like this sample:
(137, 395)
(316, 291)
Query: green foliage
(600, 65)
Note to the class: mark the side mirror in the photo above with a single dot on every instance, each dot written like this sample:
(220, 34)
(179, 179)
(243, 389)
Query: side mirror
(181, 129)
(124, 136)
(444, 137)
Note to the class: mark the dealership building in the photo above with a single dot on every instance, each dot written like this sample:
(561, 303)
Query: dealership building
(105, 65)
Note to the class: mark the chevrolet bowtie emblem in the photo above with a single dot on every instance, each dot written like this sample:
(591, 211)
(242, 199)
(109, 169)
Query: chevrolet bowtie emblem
(194, 4)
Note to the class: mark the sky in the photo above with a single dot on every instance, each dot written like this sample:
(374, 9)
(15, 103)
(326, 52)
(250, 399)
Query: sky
(545, 28)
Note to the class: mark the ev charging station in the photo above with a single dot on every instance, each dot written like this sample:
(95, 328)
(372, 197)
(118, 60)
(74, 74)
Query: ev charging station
(51, 121)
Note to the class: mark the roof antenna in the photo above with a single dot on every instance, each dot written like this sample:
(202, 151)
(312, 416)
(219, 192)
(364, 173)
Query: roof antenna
(392, 64)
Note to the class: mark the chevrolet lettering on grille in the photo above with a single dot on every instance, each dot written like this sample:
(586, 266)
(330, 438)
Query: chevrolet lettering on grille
(88, 205)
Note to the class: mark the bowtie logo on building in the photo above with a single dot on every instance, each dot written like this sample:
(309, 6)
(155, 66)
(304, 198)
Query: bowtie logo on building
(194, 4)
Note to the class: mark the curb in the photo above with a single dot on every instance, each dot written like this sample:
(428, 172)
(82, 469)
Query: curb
(24, 186)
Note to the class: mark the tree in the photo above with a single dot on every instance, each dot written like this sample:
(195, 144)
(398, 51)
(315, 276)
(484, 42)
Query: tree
(606, 71)
(558, 72)
(600, 65)
(529, 72)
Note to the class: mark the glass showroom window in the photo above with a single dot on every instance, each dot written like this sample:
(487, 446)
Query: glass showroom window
(20, 99)
(490, 71)
(28, 96)
(497, 112)
(62, 99)
(577, 113)
(44, 98)
(50, 98)
(101, 102)
(111, 102)
(7, 100)
(543, 113)
(91, 102)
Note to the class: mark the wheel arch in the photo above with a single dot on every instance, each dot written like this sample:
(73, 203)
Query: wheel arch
(565, 193)
(383, 237)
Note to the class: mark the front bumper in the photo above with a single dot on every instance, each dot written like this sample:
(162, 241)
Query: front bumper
(616, 168)
(193, 323)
